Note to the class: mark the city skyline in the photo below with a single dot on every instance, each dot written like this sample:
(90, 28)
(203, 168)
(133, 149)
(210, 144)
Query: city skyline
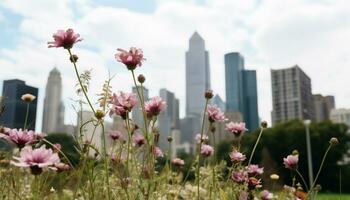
(265, 45)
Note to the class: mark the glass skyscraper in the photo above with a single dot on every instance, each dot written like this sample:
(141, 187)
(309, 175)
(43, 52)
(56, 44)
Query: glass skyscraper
(15, 108)
(241, 90)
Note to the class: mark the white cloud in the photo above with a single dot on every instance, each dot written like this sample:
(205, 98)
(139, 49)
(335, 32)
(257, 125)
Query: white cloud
(270, 34)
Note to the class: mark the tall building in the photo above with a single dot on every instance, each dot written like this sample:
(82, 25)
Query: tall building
(216, 100)
(291, 95)
(136, 113)
(340, 115)
(14, 108)
(53, 114)
(197, 75)
(323, 106)
(241, 90)
(169, 119)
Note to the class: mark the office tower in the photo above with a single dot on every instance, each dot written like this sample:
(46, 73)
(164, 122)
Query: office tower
(219, 102)
(241, 90)
(197, 75)
(136, 113)
(291, 95)
(189, 127)
(323, 106)
(15, 108)
(168, 119)
(340, 115)
(53, 114)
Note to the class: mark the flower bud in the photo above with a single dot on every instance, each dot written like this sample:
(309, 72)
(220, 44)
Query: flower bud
(208, 94)
(141, 78)
(73, 58)
(264, 124)
(99, 114)
(274, 176)
(170, 139)
(28, 98)
(318, 187)
(334, 141)
(295, 152)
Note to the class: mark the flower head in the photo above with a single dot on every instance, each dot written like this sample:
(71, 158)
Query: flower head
(178, 162)
(132, 58)
(215, 114)
(122, 103)
(28, 98)
(138, 139)
(236, 128)
(115, 135)
(19, 137)
(199, 140)
(207, 150)
(240, 176)
(65, 39)
(158, 153)
(36, 159)
(266, 195)
(291, 162)
(154, 106)
(237, 156)
(255, 170)
(254, 183)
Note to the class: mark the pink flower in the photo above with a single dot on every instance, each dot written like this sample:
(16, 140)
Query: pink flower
(122, 103)
(115, 135)
(254, 170)
(61, 167)
(36, 159)
(198, 139)
(178, 162)
(65, 39)
(237, 156)
(19, 137)
(291, 162)
(138, 139)
(240, 176)
(254, 183)
(158, 152)
(132, 58)
(215, 114)
(236, 128)
(207, 150)
(266, 195)
(154, 106)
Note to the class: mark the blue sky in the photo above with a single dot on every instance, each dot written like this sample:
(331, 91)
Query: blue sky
(270, 34)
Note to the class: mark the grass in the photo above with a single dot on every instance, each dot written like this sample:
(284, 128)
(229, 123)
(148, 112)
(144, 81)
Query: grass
(333, 197)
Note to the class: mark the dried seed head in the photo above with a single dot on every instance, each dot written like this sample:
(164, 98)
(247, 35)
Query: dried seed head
(141, 78)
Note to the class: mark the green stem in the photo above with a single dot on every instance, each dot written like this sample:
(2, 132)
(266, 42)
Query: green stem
(200, 146)
(81, 84)
(129, 141)
(256, 144)
(26, 119)
(106, 161)
(302, 178)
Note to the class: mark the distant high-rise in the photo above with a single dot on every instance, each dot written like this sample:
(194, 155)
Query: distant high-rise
(53, 114)
(15, 108)
(219, 102)
(136, 113)
(323, 106)
(241, 90)
(197, 75)
(291, 95)
(340, 115)
(169, 119)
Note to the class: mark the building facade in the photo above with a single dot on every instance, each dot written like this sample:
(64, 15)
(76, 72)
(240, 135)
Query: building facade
(241, 89)
(291, 95)
(14, 112)
(340, 115)
(323, 106)
(53, 114)
(136, 113)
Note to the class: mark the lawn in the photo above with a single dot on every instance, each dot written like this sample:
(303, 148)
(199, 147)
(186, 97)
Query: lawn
(333, 197)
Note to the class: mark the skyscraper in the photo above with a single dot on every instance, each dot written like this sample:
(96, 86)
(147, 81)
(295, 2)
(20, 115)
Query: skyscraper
(291, 95)
(15, 108)
(136, 113)
(197, 75)
(323, 106)
(241, 90)
(219, 102)
(53, 115)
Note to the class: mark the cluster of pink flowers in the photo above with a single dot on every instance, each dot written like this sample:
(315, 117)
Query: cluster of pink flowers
(215, 114)
(154, 106)
(291, 162)
(204, 138)
(65, 39)
(236, 128)
(237, 156)
(249, 175)
(122, 103)
(20, 137)
(36, 159)
(239, 176)
(178, 162)
(254, 170)
(131, 59)
(207, 150)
